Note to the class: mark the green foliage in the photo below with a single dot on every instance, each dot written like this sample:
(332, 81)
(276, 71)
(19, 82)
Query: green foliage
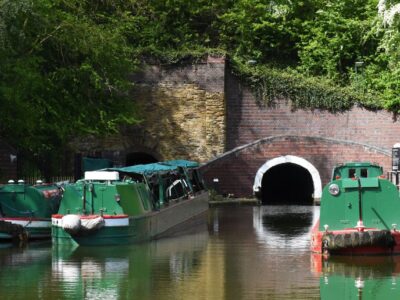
(306, 92)
(65, 64)
(265, 30)
(337, 37)
(64, 67)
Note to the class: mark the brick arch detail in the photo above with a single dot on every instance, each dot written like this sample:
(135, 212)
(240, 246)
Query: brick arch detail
(236, 169)
(316, 178)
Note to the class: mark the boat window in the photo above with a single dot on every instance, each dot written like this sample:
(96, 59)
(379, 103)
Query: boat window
(352, 173)
(364, 173)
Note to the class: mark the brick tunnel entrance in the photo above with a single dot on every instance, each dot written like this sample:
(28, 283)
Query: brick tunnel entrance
(287, 180)
(287, 184)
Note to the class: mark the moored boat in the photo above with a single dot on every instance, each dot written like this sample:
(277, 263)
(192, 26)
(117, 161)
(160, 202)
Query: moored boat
(131, 204)
(360, 213)
(25, 210)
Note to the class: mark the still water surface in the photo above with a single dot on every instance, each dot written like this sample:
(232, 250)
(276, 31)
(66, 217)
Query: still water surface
(241, 253)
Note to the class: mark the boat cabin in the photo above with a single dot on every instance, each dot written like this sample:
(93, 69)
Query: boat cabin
(354, 170)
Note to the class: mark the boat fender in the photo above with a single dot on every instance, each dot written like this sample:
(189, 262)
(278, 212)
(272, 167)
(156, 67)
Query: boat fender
(16, 231)
(92, 223)
(71, 223)
(383, 238)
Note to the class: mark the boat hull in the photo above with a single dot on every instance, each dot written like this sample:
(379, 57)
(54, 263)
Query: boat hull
(379, 242)
(123, 229)
(34, 228)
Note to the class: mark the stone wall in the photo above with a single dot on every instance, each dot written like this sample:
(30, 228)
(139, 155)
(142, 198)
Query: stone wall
(183, 115)
(199, 111)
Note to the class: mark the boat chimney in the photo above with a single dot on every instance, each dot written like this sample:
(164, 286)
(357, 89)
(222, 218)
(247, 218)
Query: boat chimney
(395, 164)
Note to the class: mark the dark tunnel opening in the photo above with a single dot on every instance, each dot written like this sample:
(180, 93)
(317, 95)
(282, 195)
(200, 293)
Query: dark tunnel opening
(136, 158)
(287, 184)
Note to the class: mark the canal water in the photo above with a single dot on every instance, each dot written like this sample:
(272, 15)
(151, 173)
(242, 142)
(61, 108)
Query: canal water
(239, 253)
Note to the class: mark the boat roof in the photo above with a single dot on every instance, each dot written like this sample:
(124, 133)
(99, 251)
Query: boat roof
(148, 169)
(182, 163)
(357, 164)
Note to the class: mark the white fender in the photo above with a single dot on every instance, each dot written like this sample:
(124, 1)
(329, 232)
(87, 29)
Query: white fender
(71, 223)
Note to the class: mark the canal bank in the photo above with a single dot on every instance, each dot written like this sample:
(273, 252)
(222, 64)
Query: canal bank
(220, 201)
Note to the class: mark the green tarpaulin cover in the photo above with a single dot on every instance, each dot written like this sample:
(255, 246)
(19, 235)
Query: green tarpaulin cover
(157, 167)
(93, 164)
(182, 163)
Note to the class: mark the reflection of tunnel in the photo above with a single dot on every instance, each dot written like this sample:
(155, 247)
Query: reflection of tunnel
(136, 158)
(287, 183)
(288, 223)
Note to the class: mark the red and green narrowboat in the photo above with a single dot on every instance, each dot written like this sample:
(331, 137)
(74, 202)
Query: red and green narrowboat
(25, 210)
(360, 213)
(130, 204)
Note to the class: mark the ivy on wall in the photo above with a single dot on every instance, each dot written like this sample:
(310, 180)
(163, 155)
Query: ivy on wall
(269, 83)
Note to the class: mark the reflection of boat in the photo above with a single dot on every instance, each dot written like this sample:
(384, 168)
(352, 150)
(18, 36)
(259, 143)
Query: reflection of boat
(27, 209)
(24, 270)
(359, 213)
(372, 277)
(122, 271)
(149, 202)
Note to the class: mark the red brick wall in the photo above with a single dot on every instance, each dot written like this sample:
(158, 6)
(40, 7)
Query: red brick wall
(248, 121)
(321, 137)
(236, 170)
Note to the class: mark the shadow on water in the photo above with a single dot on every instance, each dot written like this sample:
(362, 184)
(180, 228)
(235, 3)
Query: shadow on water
(358, 277)
(287, 184)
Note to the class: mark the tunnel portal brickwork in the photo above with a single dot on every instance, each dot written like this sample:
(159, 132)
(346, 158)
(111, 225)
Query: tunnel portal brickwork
(201, 110)
(236, 169)
(249, 120)
(257, 132)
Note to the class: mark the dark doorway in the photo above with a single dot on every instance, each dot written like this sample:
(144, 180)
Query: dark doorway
(136, 158)
(287, 184)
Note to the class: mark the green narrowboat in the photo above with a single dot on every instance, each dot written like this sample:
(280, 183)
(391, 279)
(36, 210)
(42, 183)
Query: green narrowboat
(360, 212)
(25, 210)
(358, 277)
(130, 204)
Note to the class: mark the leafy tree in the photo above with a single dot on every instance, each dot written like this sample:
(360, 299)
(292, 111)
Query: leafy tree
(65, 64)
(337, 37)
(265, 31)
(64, 67)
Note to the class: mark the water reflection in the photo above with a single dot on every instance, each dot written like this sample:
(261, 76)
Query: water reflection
(115, 272)
(244, 253)
(22, 272)
(362, 277)
(286, 226)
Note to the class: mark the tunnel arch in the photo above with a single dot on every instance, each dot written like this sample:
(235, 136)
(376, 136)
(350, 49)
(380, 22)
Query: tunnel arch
(139, 157)
(289, 159)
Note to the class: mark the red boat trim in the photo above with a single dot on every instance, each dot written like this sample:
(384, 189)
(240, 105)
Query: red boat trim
(58, 216)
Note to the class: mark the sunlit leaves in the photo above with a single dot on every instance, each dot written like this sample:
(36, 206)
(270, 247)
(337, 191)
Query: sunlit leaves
(64, 71)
